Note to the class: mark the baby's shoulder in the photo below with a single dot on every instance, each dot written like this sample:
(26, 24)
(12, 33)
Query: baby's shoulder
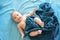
(19, 24)
(22, 24)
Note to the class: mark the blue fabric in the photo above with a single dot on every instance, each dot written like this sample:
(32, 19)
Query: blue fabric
(31, 26)
(8, 28)
(46, 14)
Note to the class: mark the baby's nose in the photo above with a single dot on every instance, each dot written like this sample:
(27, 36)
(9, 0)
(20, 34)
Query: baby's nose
(17, 16)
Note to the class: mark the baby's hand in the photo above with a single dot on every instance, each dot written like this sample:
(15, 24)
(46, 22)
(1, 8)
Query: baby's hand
(22, 36)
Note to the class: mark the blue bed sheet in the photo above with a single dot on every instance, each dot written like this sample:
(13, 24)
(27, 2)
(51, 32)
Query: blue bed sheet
(8, 28)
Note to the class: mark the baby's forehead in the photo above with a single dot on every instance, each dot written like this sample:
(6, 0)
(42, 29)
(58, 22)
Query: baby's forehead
(15, 13)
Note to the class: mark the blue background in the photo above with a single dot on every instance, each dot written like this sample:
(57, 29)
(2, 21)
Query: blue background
(8, 28)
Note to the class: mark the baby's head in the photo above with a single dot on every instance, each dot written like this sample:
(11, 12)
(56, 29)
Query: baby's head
(17, 16)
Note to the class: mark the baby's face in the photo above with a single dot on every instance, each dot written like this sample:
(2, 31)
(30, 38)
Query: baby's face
(17, 16)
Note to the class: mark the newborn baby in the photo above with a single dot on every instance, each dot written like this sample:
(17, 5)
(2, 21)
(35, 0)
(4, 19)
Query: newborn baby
(21, 20)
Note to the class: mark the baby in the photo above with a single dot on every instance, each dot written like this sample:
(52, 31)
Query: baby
(21, 20)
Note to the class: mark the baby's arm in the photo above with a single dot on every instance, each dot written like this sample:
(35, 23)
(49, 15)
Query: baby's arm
(21, 30)
(31, 13)
(38, 21)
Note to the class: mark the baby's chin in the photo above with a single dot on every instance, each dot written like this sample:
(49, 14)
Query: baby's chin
(18, 21)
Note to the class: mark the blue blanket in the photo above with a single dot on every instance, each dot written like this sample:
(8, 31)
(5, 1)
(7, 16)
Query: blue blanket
(8, 28)
(51, 24)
